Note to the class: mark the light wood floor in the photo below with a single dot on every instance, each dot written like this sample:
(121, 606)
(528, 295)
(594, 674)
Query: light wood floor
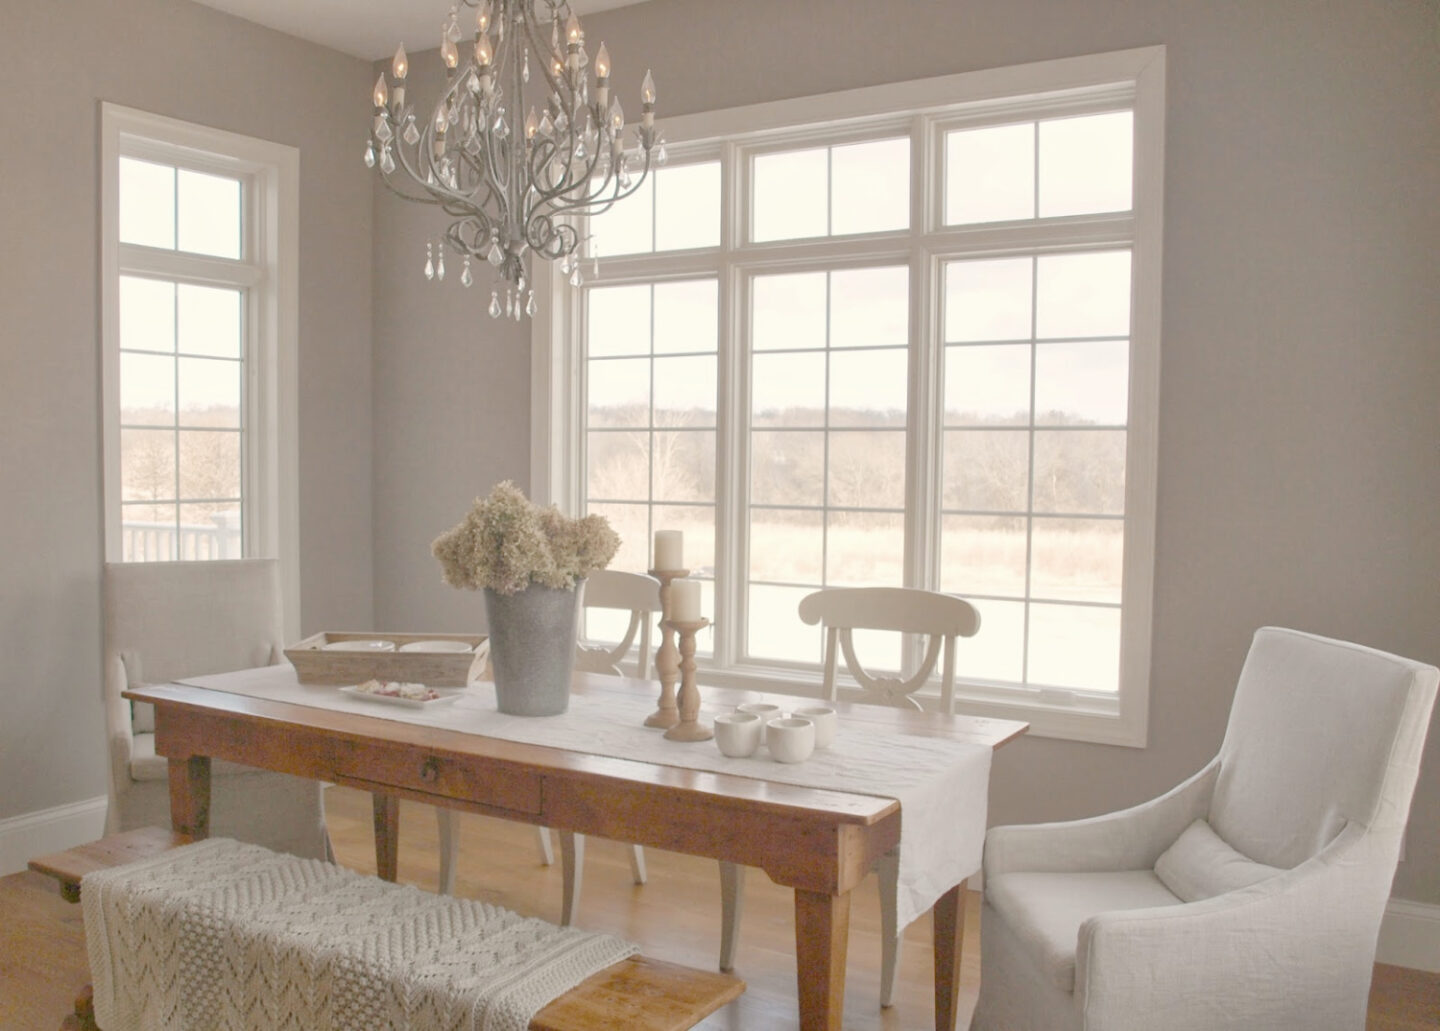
(676, 917)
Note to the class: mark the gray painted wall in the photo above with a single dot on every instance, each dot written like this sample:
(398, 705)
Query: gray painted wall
(58, 60)
(1299, 477)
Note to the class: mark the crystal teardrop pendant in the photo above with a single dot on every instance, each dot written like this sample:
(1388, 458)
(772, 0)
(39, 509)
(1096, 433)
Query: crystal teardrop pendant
(530, 306)
(387, 162)
(660, 155)
(369, 155)
(509, 303)
(440, 264)
(411, 134)
(429, 262)
(466, 279)
(575, 278)
(525, 68)
(383, 132)
(495, 255)
(494, 304)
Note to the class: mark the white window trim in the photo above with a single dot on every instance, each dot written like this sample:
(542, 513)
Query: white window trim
(272, 249)
(1139, 75)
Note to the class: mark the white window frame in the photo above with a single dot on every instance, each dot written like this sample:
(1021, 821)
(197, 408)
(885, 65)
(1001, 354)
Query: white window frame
(1135, 78)
(268, 270)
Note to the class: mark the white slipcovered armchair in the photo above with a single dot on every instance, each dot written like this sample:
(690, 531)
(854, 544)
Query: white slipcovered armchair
(1248, 897)
(167, 620)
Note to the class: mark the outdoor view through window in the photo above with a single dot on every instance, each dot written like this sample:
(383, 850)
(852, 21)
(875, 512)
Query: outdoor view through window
(842, 386)
(181, 365)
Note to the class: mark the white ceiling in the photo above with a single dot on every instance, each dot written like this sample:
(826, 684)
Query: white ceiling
(366, 28)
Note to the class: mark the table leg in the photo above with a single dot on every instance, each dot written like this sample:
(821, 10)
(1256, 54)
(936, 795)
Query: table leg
(949, 915)
(190, 796)
(822, 931)
(386, 810)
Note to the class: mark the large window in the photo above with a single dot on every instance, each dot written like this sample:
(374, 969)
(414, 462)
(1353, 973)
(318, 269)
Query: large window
(906, 336)
(198, 285)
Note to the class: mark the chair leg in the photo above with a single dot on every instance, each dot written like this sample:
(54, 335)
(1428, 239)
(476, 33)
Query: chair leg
(637, 863)
(732, 884)
(449, 848)
(572, 860)
(887, 868)
(547, 851)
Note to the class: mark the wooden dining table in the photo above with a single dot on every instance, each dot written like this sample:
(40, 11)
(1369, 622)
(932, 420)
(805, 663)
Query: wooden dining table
(817, 841)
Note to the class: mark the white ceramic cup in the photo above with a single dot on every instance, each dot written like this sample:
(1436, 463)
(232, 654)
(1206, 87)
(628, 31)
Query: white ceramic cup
(765, 710)
(826, 721)
(790, 739)
(737, 734)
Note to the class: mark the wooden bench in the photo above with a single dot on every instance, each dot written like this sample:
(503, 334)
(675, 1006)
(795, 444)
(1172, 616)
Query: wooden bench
(637, 994)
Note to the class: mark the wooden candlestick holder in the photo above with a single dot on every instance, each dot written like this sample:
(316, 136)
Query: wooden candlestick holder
(667, 657)
(689, 728)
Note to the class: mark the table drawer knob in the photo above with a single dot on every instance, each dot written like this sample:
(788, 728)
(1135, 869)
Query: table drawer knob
(430, 771)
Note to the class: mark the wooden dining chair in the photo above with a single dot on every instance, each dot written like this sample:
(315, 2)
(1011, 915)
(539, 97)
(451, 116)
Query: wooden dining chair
(639, 595)
(841, 611)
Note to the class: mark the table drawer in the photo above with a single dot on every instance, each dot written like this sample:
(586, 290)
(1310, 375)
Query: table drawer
(416, 769)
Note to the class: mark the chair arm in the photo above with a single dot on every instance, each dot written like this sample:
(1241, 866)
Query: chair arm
(1291, 953)
(1130, 839)
(118, 729)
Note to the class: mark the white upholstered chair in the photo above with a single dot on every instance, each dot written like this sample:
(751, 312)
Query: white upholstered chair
(1251, 895)
(167, 620)
(639, 596)
(841, 611)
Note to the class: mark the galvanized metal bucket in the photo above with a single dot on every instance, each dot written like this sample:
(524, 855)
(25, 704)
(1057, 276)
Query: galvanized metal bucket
(532, 648)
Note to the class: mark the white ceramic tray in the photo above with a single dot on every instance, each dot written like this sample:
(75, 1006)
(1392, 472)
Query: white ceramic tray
(446, 697)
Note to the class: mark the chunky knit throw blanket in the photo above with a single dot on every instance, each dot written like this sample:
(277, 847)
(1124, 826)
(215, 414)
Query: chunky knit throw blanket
(222, 935)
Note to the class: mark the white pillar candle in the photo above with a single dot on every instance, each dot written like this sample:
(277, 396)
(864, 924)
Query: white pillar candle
(669, 550)
(685, 601)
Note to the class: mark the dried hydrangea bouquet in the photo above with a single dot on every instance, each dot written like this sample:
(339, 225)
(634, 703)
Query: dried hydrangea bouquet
(531, 561)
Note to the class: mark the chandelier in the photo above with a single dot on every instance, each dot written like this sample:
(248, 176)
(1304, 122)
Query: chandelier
(513, 188)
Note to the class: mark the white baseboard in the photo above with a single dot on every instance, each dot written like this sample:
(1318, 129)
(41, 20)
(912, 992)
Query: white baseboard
(1410, 936)
(28, 835)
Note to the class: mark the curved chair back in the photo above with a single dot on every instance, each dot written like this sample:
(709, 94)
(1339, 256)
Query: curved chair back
(633, 592)
(942, 617)
(1322, 734)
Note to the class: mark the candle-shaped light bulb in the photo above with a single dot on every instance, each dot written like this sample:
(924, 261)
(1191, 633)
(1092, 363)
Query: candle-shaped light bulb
(531, 124)
(617, 116)
(557, 67)
(647, 88)
(602, 63)
(572, 29)
(382, 92)
(482, 18)
(442, 120)
(449, 53)
(401, 65)
(484, 54)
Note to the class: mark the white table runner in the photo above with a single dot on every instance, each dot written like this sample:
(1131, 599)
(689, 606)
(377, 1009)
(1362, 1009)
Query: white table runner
(942, 785)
